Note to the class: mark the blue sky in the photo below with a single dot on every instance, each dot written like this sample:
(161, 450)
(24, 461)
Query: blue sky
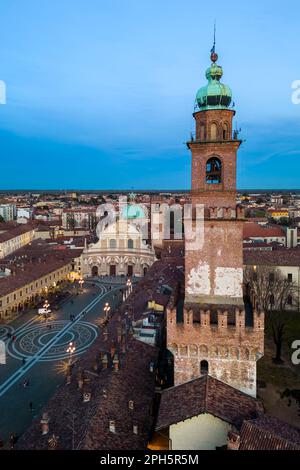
(100, 93)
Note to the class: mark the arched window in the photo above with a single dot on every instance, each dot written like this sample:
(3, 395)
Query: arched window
(130, 244)
(112, 243)
(225, 131)
(129, 270)
(213, 171)
(246, 354)
(95, 271)
(204, 368)
(213, 131)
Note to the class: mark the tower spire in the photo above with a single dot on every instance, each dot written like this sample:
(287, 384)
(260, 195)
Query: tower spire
(214, 45)
(213, 55)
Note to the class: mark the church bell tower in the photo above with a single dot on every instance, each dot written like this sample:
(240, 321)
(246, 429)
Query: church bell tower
(214, 156)
(217, 334)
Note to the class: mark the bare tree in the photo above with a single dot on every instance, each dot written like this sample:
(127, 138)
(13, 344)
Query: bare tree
(272, 291)
(269, 286)
(277, 325)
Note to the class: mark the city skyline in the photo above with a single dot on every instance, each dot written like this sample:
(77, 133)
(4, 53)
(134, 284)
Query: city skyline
(99, 100)
(149, 229)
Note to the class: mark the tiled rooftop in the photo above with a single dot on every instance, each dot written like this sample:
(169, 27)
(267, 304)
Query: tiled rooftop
(206, 395)
(278, 257)
(269, 433)
(253, 230)
(110, 390)
(32, 262)
(14, 232)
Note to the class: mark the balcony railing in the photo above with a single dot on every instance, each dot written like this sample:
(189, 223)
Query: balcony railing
(234, 137)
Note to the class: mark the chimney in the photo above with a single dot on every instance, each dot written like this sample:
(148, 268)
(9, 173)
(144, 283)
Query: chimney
(80, 381)
(233, 440)
(112, 350)
(112, 426)
(119, 334)
(105, 361)
(87, 397)
(45, 424)
(116, 362)
(135, 429)
(105, 334)
(53, 442)
(131, 405)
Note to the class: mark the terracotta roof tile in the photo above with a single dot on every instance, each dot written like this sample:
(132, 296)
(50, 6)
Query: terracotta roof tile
(29, 265)
(252, 230)
(269, 433)
(278, 257)
(205, 395)
(15, 232)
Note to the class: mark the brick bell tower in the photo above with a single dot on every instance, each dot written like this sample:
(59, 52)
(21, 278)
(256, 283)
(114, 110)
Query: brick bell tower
(216, 335)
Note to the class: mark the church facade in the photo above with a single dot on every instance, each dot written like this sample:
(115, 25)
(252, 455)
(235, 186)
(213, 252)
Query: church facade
(120, 251)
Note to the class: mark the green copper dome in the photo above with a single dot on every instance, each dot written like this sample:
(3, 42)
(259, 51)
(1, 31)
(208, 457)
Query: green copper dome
(133, 211)
(215, 95)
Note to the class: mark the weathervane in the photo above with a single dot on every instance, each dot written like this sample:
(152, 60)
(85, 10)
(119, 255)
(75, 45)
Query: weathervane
(214, 56)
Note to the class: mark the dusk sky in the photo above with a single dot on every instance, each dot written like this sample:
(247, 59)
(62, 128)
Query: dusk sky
(100, 93)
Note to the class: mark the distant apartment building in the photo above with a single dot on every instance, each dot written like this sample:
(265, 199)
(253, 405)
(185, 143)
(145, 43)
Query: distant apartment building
(79, 218)
(264, 233)
(257, 235)
(277, 199)
(294, 212)
(8, 212)
(292, 238)
(24, 213)
(278, 214)
(15, 238)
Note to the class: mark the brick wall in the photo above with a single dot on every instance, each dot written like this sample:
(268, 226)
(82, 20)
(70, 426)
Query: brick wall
(214, 271)
(231, 350)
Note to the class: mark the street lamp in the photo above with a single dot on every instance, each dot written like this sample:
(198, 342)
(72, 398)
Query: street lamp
(129, 287)
(70, 351)
(106, 309)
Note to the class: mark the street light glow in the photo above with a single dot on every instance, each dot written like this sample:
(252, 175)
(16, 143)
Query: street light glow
(71, 349)
(106, 309)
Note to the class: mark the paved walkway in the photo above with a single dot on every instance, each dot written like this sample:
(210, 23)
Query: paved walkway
(38, 354)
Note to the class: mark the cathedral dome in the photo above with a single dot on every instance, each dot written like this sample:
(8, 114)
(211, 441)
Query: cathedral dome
(215, 95)
(133, 211)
